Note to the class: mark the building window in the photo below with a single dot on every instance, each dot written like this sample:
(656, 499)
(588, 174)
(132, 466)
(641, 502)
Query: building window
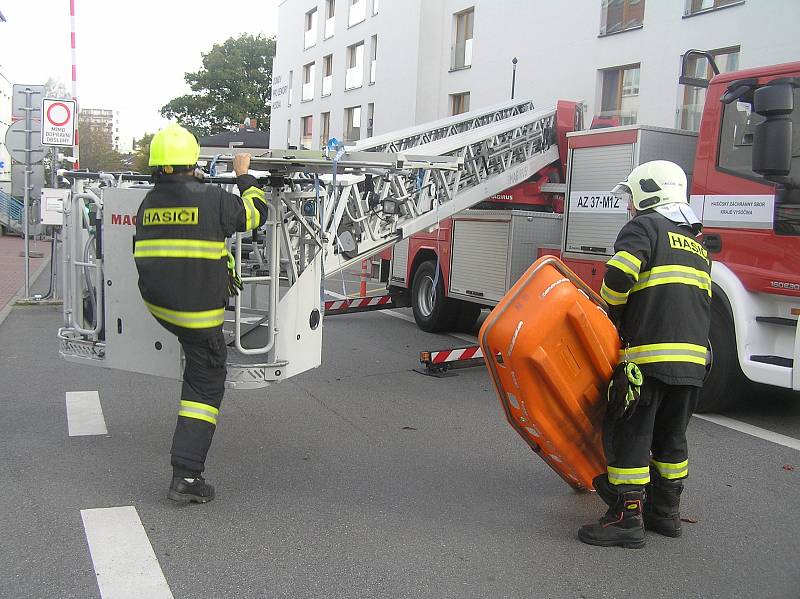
(325, 128)
(358, 12)
(375, 6)
(330, 22)
(462, 39)
(352, 124)
(327, 75)
(305, 139)
(289, 133)
(370, 118)
(693, 98)
(354, 77)
(373, 58)
(696, 6)
(620, 15)
(620, 95)
(308, 82)
(459, 103)
(311, 28)
(291, 95)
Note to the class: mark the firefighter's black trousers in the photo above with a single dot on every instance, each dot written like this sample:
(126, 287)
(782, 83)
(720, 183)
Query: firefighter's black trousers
(654, 436)
(201, 396)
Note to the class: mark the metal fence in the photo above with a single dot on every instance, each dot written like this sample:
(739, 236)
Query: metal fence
(10, 211)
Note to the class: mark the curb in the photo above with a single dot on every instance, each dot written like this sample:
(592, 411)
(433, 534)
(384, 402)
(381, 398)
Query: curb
(6, 310)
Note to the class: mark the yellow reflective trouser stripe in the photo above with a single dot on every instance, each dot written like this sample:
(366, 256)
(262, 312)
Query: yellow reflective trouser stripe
(189, 320)
(179, 248)
(200, 411)
(665, 352)
(614, 298)
(672, 470)
(253, 216)
(627, 263)
(628, 476)
(674, 273)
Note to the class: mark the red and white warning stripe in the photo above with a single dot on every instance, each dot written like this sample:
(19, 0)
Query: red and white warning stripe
(456, 355)
(358, 304)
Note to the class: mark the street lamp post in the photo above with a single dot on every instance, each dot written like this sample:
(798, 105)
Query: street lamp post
(513, 75)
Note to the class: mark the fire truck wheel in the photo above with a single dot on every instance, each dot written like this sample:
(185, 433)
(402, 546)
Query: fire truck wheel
(725, 383)
(433, 312)
(467, 317)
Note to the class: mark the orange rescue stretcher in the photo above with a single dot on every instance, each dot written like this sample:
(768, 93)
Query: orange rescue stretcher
(550, 349)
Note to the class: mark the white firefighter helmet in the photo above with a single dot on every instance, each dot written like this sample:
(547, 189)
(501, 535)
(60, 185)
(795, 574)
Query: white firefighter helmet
(653, 184)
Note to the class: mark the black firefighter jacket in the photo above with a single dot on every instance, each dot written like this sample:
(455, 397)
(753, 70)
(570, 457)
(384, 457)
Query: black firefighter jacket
(658, 287)
(180, 250)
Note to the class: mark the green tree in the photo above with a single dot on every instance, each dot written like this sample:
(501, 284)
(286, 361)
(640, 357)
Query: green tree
(97, 153)
(233, 83)
(141, 153)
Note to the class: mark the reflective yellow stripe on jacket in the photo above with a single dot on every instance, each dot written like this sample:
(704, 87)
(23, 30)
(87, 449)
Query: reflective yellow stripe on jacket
(665, 352)
(189, 320)
(199, 411)
(674, 273)
(627, 263)
(252, 216)
(179, 248)
(613, 298)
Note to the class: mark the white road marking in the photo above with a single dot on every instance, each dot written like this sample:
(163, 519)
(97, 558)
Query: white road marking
(749, 429)
(85, 414)
(124, 562)
(407, 318)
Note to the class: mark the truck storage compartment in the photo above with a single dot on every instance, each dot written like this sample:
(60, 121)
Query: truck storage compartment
(493, 248)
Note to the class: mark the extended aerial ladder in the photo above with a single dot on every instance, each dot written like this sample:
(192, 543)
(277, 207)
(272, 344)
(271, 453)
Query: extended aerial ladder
(328, 209)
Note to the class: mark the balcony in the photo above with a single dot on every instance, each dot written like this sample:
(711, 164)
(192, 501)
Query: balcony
(354, 77)
(327, 85)
(329, 27)
(308, 91)
(372, 67)
(358, 12)
(310, 38)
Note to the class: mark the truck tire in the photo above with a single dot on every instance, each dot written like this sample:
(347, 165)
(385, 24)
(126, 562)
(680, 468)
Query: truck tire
(725, 383)
(468, 315)
(433, 311)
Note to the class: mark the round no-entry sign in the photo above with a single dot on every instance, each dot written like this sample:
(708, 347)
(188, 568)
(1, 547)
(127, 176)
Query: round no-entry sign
(58, 122)
(58, 114)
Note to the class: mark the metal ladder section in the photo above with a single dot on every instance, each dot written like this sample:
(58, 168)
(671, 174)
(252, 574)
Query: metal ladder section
(397, 141)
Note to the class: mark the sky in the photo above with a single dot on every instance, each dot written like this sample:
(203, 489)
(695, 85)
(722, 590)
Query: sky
(131, 56)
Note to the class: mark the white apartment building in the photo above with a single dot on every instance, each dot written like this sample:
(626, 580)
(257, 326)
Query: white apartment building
(350, 69)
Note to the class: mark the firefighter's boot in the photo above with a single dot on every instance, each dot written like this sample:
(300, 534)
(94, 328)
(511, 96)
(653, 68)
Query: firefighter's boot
(605, 490)
(662, 506)
(188, 489)
(621, 525)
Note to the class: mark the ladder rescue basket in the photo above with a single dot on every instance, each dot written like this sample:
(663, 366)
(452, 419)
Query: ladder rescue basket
(550, 349)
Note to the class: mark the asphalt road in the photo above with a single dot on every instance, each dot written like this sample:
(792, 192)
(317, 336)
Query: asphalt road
(363, 479)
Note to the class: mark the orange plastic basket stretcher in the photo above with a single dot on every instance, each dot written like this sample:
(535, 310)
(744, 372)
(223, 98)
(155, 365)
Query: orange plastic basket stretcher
(550, 349)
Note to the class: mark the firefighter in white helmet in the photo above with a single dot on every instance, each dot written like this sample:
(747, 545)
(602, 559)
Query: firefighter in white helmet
(658, 288)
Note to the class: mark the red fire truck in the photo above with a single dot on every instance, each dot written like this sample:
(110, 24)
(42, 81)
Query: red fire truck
(750, 208)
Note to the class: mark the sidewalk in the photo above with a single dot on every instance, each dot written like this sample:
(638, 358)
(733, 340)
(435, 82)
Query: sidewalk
(12, 266)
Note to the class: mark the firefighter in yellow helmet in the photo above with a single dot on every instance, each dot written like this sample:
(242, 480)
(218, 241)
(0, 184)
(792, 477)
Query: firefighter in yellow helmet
(185, 281)
(658, 288)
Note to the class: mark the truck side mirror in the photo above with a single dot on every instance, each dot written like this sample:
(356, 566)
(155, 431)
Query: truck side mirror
(772, 139)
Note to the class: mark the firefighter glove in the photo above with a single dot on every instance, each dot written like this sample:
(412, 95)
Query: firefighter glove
(624, 390)
(234, 281)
